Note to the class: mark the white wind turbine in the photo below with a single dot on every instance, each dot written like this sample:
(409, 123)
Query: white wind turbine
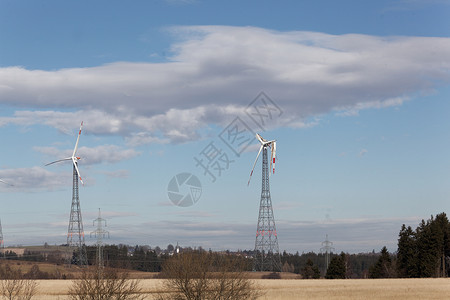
(267, 253)
(75, 234)
(73, 158)
(264, 143)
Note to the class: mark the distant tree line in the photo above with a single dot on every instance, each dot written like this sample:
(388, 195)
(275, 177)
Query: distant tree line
(423, 252)
(312, 265)
(118, 256)
(34, 256)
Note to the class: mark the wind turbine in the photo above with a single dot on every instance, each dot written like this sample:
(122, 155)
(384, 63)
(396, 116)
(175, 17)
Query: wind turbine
(265, 144)
(75, 234)
(267, 253)
(73, 158)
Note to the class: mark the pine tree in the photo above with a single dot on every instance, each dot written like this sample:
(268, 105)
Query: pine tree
(429, 244)
(383, 267)
(424, 253)
(407, 265)
(337, 268)
(441, 232)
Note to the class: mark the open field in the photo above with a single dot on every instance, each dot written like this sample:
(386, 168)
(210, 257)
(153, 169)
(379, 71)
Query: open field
(283, 289)
(289, 287)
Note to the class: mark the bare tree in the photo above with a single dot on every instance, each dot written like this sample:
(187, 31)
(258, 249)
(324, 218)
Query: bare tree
(14, 286)
(199, 275)
(104, 283)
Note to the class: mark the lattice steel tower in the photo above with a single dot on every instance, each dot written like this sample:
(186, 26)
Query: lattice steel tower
(267, 253)
(75, 234)
(100, 233)
(327, 249)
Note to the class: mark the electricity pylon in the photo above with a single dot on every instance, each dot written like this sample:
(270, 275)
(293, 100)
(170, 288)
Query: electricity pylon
(327, 249)
(100, 233)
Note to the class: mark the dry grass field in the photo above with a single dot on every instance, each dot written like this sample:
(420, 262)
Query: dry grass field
(284, 289)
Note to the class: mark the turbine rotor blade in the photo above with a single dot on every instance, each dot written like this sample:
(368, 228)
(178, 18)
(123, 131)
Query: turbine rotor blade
(262, 146)
(261, 139)
(274, 155)
(7, 183)
(78, 171)
(60, 160)
(78, 139)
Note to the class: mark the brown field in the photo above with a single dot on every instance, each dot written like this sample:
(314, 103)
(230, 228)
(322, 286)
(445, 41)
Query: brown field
(288, 289)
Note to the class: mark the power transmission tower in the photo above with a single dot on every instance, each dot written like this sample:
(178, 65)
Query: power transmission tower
(100, 233)
(267, 253)
(327, 249)
(75, 234)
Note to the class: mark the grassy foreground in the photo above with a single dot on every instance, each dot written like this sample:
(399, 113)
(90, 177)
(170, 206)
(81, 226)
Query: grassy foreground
(282, 289)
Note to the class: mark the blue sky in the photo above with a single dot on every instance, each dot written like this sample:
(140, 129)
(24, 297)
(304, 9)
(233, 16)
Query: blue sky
(362, 134)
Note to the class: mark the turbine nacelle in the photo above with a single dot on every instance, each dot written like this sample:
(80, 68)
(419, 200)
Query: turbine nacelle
(265, 143)
(73, 158)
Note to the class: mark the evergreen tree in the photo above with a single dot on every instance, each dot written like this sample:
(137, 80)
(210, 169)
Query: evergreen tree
(430, 243)
(426, 246)
(383, 267)
(337, 268)
(407, 265)
(425, 252)
(310, 271)
(441, 230)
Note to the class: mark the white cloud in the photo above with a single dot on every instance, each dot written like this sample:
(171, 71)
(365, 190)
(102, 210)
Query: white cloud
(355, 109)
(142, 138)
(33, 179)
(95, 155)
(215, 71)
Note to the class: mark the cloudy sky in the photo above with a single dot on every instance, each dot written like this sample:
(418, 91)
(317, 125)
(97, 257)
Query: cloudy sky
(356, 94)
